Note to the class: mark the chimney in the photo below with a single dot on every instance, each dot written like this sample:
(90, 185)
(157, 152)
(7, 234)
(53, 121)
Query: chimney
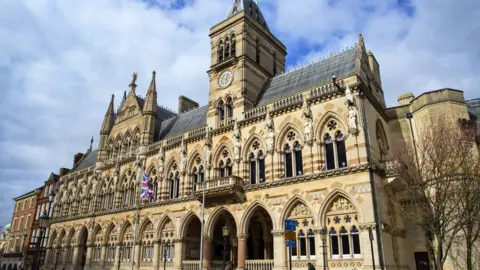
(77, 158)
(405, 99)
(186, 104)
(63, 171)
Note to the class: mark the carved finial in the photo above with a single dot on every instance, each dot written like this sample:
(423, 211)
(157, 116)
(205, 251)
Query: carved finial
(153, 74)
(125, 95)
(113, 97)
(134, 79)
(91, 143)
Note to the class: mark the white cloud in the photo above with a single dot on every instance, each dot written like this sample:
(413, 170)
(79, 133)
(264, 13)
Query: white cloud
(61, 60)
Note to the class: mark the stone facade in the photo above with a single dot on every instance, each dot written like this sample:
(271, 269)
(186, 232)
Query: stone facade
(268, 146)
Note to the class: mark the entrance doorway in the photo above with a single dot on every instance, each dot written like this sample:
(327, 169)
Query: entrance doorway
(82, 247)
(421, 261)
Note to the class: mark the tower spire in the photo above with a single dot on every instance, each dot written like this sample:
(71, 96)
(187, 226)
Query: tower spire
(150, 106)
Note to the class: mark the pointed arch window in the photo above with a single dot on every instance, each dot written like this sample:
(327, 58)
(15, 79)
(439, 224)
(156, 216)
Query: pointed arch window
(253, 169)
(220, 52)
(174, 187)
(288, 161)
(155, 191)
(225, 166)
(311, 244)
(293, 160)
(298, 159)
(229, 108)
(221, 110)
(233, 49)
(344, 239)
(261, 167)
(303, 244)
(227, 48)
(355, 236)
(335, 148)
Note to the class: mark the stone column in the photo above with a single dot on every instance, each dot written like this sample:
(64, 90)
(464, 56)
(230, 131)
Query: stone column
(102, 254)
(117, 257)
(279, 250)
(156, 253)
(242, 251)
(207, 253)
(177, 260)
(88, 258)
(137, 256)
(74, 257)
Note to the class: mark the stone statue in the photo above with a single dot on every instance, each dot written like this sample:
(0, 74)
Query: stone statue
(308, 121)
(183, 157)
(237, 141)
(269, 126)
(208, 149)
(352, 118)
(161, 160)
(349, 96)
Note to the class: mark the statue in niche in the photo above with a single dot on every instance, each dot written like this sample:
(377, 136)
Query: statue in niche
(352, 118)
(183, 157)
(161, 160)
(269, 126)
(349, 96)
(237, 141)
(307, 117)
(208, 149)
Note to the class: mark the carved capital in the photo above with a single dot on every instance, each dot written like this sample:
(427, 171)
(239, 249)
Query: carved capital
(278, 232)
(242, 236)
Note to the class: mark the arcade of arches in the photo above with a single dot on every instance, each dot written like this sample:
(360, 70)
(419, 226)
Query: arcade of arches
(253, 241)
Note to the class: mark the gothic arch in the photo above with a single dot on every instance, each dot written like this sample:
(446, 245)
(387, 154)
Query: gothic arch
(172, 161)
(243, 225)
(163, 221)
(192, 158)
(290, 205)
(145, 222)
(213, 217)
(320, 125)
(83, 232)
(283, 134)
(118, 140)
(152, 167)
(186, 221)
(70, 236)
(125, 226)
(61, 235)
(219, 149)
(335, 194)
(52, 238)
(246, 148)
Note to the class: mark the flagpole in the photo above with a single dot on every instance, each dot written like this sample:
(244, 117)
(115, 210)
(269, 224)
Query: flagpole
(137, 210)
(203, 218)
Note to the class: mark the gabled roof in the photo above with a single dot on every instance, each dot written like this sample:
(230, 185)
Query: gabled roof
(183, 123)
(89, 160)
(251, 9)
(316, 74)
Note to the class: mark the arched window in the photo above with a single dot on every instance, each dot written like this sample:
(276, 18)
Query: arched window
(233, 49)
(345, 242)
(303, 244)
(335, 149)
(221, 110)
(293, 162)
(229, 108)
(311, 244)
(261, 167)
(227, 48)
(355, 242)
(198, 174)
(155, 191)
(131, 195)
(147, 245)
(257, 163)
(174, 187)
(220, 52)
(253, 169)
(225, 165)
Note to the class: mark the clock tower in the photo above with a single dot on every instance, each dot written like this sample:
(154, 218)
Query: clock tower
(244, 56)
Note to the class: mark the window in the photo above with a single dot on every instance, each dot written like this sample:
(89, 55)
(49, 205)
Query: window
(147, 252)
(293, 162)
(225, 166)
(174, 187)
(233, 49)
(229, 108)
(227, 48)
(311, 243)
(253, 169)
(335, 250)
(38, 212)
(257, 164)
(110, 254)
(96, 253)
(261, 167)
(220, 52)
(305, 246)
(20, 224)
(335, 150)
(345, 242)
(221, 110)
(155, 191)
(355, 241)
(27, 222)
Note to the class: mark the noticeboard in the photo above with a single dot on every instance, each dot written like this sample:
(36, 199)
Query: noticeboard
(290, 225)
(291, 243)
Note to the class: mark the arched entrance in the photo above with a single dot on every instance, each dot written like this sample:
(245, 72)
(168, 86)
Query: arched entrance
(192, 235)
(259, 250)
(223, 247)
(82, 247)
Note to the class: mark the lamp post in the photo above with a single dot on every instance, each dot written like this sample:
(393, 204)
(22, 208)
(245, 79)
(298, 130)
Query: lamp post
(226, 233)
(120, 255)
(323, 235)
(164, 251)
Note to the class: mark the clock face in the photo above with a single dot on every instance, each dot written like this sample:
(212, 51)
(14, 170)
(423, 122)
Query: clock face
(225, 78)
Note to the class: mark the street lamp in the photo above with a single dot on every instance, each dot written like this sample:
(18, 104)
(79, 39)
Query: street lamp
(323, 234)
(164, 245)
(226, 233)
(234, 251)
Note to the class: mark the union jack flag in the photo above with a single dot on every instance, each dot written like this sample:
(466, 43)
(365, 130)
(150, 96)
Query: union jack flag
(147, 188)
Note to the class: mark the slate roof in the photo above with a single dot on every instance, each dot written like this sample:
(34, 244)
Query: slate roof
(182, 123)
(310, 76)
(87, 161)
(251, 9)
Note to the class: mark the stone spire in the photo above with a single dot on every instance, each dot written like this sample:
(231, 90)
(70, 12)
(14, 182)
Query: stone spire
(150, 106)
(109, 119)
(251, 9)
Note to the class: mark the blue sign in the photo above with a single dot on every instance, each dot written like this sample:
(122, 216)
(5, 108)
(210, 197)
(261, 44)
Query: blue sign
(290, 225)
(291, 243)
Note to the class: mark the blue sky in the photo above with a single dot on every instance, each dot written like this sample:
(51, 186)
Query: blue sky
(61, 60)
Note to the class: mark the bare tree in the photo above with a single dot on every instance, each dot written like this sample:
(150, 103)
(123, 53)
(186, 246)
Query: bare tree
(433, 176)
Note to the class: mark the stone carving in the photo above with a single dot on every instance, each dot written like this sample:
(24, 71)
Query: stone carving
(300, 210)
(349, 96)
(208, 149)
(183, 157)
(342, 205)
(352, 118)
(161, 160)
(269, 126)
(237, 141)
(307, 117)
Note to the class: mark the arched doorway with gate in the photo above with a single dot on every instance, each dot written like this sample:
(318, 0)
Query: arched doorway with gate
(258, 226)
(223, 236)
